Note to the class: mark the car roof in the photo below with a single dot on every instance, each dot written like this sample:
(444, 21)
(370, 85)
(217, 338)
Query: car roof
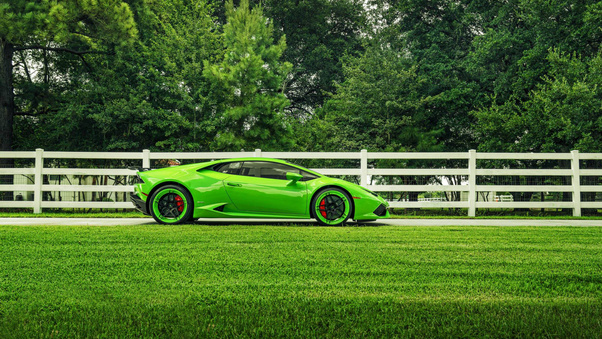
(252, 159)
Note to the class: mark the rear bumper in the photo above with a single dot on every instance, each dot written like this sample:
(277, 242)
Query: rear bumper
(139, 203)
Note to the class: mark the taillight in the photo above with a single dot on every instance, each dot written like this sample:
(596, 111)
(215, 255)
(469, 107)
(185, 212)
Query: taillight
(137, 180)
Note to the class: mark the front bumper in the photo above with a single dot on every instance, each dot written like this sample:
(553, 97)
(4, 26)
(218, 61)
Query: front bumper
(139, 203)
(370, 208)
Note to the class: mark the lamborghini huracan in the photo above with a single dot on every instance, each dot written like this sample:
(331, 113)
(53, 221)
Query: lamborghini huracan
(252, 188)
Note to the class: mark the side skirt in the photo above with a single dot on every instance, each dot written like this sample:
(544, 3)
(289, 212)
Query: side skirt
(217, 211)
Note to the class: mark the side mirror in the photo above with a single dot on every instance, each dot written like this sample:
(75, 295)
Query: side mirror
(293, 177)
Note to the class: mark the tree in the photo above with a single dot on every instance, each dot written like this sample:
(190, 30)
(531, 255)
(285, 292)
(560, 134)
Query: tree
(247, 100)
(431, 39)
(529, 70)
(437, 36)
(376, 106)
(563, 113)
(509, 59)
(148, 95)
(79, 28)
(319, 34)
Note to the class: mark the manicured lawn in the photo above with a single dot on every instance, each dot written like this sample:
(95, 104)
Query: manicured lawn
(294, 281)
(71, 214)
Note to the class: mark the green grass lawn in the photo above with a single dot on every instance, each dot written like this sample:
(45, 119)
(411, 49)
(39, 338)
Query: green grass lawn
(72, 214)
(294, 281)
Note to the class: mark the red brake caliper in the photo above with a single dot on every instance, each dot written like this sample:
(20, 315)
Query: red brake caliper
(323, 207)
(179, 203)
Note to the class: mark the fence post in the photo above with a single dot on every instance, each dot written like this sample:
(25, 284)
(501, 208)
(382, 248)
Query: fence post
(146, 158)
(472, 183)
(37, 180)
(257, 153)
(576, 180)
(364, 168)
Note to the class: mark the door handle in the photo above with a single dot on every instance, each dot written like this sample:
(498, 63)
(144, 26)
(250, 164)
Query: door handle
(234, 184)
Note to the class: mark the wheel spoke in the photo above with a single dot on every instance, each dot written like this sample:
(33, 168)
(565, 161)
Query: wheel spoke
(168, 206)
(168, 212)
(332, 207)
(330, 201)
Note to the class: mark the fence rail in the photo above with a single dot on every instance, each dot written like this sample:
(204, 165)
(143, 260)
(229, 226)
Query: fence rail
(468, 192)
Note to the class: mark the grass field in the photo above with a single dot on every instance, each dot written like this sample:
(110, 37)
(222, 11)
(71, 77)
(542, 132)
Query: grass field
(72, 214)
(293, 281)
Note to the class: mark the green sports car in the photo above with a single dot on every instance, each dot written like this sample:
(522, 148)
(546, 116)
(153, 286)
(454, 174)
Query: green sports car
(252, 188)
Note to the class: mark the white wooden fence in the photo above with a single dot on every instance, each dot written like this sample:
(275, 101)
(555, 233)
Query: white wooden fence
(365, 172)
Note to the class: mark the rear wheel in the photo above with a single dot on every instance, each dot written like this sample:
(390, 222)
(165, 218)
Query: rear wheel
(332, 206)
(171, 204)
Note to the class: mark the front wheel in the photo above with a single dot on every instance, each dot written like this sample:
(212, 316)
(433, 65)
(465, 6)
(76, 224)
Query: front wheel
(332, 206)
(171, 204)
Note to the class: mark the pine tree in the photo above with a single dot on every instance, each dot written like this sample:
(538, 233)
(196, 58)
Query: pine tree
(248, 99)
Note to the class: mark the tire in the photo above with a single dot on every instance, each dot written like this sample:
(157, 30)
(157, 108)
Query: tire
(171, 204)
(331, 206)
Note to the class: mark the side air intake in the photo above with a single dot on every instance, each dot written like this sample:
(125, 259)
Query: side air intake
(380, 210)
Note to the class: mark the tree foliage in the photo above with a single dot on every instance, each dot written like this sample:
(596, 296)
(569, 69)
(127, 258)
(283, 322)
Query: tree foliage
(247, 97)
(148, 95)
(377, 106)
(522, 60)
(86, 23)
(563, 113)
(36, 32)
(429, 40)
(319, 35)
(198, 75)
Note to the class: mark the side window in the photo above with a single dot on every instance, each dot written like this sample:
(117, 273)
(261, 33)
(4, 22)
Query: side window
(277, 171)
(271, 170)
(228, 168)
(254, 168)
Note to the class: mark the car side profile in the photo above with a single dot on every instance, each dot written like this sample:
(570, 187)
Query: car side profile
(252, 188)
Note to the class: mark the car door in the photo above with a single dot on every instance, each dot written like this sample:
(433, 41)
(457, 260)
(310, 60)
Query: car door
(261, 187)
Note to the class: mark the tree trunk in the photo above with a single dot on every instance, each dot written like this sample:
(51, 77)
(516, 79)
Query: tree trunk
(7, 103)
(7, 110)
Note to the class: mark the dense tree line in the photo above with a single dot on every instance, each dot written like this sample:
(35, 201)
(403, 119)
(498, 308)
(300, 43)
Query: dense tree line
(394, 75)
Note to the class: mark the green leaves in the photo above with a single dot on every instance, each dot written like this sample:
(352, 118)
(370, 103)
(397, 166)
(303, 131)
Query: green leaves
(375, 107)
(248, 82)
(393, 75)
(85, 21)
(20, 19)
(560, 115)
